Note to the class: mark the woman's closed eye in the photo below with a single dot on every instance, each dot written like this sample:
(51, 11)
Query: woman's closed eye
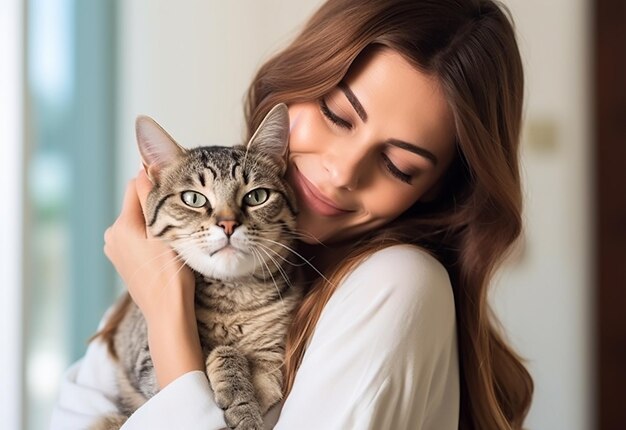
(338, 121)
(333, 117)
(394, 170)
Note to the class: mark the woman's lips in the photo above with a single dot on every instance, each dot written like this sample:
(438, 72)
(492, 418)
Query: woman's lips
(314, 199)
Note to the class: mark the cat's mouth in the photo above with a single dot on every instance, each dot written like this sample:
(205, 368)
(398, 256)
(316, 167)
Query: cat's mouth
(220, 261)
(226, 250)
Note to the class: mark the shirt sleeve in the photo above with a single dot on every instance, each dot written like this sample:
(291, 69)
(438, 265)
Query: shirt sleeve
(384, 352)
(88, 391)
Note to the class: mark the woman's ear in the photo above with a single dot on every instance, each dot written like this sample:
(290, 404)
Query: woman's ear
(156, 146)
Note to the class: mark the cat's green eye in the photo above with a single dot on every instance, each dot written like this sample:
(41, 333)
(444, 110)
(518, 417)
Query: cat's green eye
(256, 197)
(193, 199)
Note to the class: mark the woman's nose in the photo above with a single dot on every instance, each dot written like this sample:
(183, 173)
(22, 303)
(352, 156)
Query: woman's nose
(345, 168)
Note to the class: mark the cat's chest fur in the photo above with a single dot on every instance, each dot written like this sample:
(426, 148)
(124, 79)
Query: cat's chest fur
(249, 315)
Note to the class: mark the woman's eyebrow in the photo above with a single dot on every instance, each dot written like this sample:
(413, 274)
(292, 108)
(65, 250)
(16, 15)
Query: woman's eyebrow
(356, 104)
(358, 107)
(414, 149)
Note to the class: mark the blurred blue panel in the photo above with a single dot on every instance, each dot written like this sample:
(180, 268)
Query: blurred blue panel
(70, 177)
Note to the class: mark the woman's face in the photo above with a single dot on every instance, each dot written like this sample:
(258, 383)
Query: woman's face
(369, 149)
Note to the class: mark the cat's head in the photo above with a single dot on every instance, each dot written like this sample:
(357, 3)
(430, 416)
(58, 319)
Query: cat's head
(227, 211)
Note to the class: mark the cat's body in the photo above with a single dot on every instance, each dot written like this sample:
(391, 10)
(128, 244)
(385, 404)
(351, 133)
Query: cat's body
(230, 215)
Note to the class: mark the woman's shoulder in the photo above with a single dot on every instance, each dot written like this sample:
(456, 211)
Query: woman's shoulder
(401, 261)
(399, 281)
(402, 270)
(392, 316)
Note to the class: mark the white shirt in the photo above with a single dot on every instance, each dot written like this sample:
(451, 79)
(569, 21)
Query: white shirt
(383, 356)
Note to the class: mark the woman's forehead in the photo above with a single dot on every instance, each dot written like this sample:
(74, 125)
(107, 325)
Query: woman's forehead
(402, 101)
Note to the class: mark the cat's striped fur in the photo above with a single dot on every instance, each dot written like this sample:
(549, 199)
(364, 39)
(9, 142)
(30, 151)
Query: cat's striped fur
(230, 215)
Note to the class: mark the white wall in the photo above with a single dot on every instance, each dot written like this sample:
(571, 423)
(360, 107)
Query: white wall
(545, 300)
(188, 63)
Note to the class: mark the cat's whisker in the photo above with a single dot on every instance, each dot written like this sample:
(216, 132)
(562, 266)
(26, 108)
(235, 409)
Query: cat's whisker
(183, 245)
(300, 256)
(256, 256)
(294, 234)
(141, 266)
(265, 266)
(181, 259)
(182, 265)
(182, 236)
(301, 235)
(273, 279)
(291, 263)
(279, 267)
(262, 263)
(177, 259)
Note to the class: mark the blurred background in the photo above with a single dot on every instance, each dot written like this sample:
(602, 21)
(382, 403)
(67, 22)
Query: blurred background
(74, 74)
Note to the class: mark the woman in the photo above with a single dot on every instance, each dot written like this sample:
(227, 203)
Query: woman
(405, 121)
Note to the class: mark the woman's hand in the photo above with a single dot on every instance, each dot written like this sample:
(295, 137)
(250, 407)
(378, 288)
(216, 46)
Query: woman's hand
(150, 269)
(159, 283)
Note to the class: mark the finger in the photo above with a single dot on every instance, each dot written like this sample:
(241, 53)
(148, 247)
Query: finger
(131, 214)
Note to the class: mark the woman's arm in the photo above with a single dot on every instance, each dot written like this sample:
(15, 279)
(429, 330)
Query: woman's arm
(163, 289)
(88, 391)
(383, 355)
(160, 285)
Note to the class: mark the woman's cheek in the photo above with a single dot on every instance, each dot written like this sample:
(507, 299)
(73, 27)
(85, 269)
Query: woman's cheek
(389, 204)
(305, 130)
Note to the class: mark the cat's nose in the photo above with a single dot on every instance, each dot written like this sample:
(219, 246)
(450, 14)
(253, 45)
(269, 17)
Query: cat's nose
(229, 226)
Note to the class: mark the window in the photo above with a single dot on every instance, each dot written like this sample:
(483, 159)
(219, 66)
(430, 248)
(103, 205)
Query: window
(70, 76)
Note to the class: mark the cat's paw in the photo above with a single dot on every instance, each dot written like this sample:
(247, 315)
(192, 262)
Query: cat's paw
(241, 409)
(229, 375)
(224, 395)
(244, 416)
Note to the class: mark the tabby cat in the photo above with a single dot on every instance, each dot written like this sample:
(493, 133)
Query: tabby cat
(230, 215)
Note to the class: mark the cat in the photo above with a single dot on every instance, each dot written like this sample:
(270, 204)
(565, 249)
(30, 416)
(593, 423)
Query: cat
(230, 215)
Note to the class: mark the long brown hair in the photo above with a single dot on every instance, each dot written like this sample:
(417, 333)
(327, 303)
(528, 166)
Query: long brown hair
(470, 47)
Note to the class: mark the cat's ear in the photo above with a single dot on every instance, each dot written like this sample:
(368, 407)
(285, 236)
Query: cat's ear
(156, 146)
(272, 136)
